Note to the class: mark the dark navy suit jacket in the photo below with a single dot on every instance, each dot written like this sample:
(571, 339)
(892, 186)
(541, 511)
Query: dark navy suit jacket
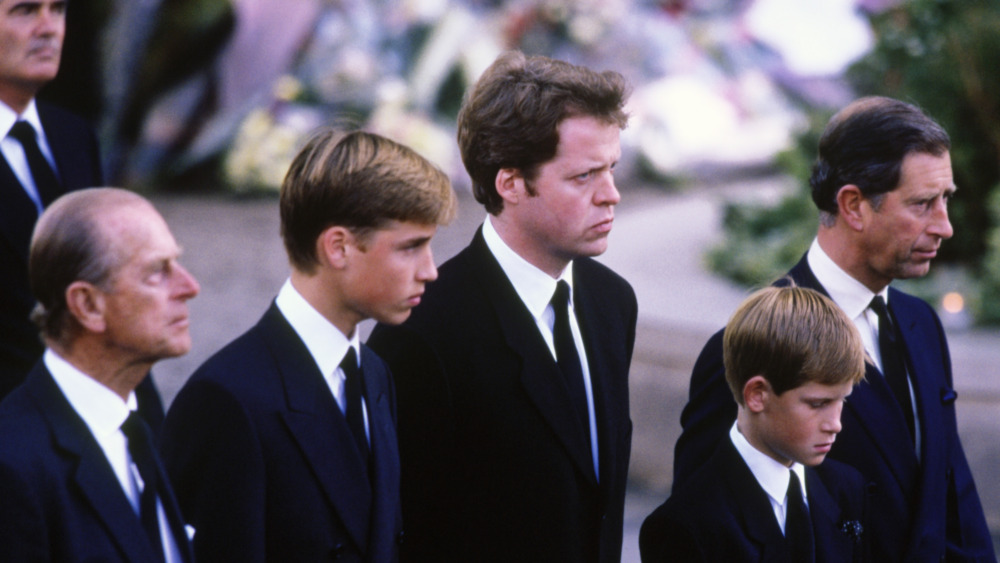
(496, 466)
(59, 498)
(264, 464)
(723, 514)
(923, 508)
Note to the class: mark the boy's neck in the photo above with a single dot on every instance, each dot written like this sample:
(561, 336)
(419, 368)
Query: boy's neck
(324, 295)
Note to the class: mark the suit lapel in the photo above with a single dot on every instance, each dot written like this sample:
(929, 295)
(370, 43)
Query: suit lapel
(93, 474)
(605, 360)
(754, 507)
(17, 212)
(539, 372)
(915, 335)
(319, 428)
(831, 544)
(385, 457)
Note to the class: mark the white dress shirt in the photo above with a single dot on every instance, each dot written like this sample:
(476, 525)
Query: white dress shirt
(772, 476)
(326, 344)
(13, 152)
(535, 288)
(104, 412)
(853, 298)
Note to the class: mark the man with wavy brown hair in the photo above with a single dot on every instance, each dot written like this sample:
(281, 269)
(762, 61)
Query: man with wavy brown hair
(513, 373)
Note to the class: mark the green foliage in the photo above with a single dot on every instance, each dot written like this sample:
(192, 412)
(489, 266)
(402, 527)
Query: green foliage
(763, 242)
(989, 306)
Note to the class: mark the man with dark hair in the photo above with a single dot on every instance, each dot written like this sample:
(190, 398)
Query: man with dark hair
(514, 417)
(282, 446)
(46, 152)
(79, 475)
(882, 183)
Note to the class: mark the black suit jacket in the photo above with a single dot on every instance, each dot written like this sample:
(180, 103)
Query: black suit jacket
(75, 150)
(264, 464)
(923, 508)
(59, 498)
(723, 514)
(496, 467)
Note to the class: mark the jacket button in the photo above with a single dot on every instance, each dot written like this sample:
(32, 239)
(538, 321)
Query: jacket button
(400, 537)
(338, 551)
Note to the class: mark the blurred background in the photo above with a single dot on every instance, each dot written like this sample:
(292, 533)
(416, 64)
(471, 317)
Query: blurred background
(201, 105)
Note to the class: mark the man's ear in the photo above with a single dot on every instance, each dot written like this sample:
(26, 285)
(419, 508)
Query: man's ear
(331, 246)
(510, 185)
(756, 393)
(850, 206)
(86, 303)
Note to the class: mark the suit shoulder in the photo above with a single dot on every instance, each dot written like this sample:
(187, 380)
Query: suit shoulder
(840, 477)
(244, 369)
(591, 269)
(900, 300)
(63, 120)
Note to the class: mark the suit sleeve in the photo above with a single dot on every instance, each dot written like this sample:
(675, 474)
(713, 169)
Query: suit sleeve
(216, 466)
(23, 533)
(426, 440)
(664, 539)
(708, 415)
(967, 534)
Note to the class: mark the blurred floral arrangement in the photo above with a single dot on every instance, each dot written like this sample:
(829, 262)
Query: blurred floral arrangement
(706, 92)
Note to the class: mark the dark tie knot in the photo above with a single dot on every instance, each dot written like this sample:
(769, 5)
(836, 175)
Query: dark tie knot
(884, 318)
(350, 363)
(23, 132)
(878, 305)
(561, 296)
(136, 430)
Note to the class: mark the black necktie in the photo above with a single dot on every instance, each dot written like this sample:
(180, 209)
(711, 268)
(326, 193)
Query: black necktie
(140, 447)
(41, 171)
(567, 356)
(798, 525)
(893, 366)
(353, 392)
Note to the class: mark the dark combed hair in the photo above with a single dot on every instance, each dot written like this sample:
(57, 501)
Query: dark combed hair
(865, 143)
(360, 181)
(511, 117)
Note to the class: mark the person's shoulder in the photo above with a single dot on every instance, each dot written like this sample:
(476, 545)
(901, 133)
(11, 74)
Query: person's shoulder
(839, 476)
(24, 428)
(593, 271)
(241, 368)
(61, 118)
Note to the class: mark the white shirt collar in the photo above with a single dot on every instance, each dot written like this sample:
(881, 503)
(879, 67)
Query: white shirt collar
(326, 344)
(533, 286)
(8, 117)
(772, 476)
(851, 295)
(100, 408)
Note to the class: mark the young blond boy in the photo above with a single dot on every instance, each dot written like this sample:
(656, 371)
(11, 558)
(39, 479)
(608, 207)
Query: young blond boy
(792, 358)
(283, 445)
